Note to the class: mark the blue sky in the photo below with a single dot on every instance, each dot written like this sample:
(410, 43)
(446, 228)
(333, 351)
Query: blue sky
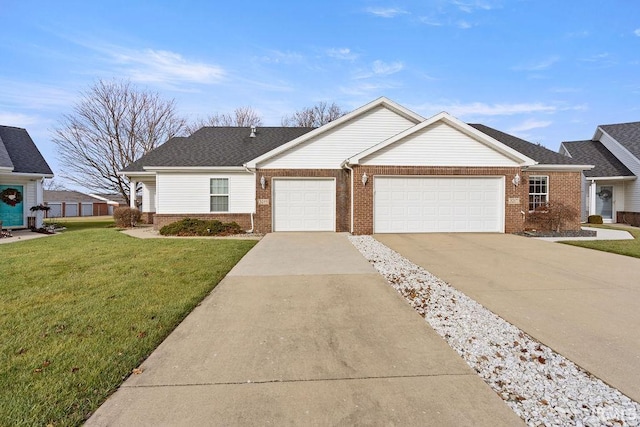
(546, 71)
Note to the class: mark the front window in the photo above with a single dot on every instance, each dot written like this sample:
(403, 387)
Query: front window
(538, 192)
(219, 194)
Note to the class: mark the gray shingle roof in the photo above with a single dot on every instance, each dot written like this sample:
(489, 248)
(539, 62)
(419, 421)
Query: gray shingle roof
(594, 153)
(17, 149)
(627, 134)
(540, 154)
(217, 146)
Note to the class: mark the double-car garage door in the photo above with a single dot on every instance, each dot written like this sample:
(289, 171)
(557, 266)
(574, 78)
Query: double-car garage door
(438, 204)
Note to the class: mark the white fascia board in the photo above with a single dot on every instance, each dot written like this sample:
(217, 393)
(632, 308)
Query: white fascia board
(6, 170)
(136, 174)
(559, 168)
(459, 125)
(611, 178)
(382, 101)
(190, 169)
(31, 175)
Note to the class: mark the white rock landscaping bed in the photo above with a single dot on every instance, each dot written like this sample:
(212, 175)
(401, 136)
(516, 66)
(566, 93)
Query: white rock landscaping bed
(541, 386)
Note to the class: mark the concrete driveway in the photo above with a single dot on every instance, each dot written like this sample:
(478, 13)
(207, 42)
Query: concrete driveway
(582, 303)
(303, 331)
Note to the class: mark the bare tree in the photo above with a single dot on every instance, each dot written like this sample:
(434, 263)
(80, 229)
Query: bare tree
(53, 185)
(241, 117)
(316, 116)
(112, 125)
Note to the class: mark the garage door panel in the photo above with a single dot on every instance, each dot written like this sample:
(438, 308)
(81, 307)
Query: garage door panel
(304, 205)
(438, 204)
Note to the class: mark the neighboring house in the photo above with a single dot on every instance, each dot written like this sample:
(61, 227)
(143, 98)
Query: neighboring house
(69, 203)
(381, 168)
(611, 188)
(22, 170)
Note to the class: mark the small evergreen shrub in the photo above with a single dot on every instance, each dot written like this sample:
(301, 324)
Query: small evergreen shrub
(126, 217)
(199, 227)
(594, 219)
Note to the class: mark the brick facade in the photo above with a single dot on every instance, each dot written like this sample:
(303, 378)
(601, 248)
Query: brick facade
(564, 187)
(264, 200)
(363, 194)
(243, 219)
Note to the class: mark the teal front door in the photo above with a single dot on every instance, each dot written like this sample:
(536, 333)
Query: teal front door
(12, 205)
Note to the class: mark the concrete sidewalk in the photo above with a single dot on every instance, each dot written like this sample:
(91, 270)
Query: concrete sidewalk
(303, 331)
(580, 302)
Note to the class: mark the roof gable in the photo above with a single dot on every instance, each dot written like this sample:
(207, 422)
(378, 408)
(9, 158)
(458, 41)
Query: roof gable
(595, 153)
(18, 151)
(354, 115)
(451, 123)
(216, 147)
(626, 134)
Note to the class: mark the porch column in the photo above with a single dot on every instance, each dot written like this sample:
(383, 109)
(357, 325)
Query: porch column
(132, 193)
(592, 198)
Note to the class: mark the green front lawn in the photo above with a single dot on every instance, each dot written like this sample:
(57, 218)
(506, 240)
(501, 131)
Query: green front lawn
(80, 310)
(622, 247)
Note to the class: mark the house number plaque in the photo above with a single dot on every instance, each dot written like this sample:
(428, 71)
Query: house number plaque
(263, 201)
(514, 200)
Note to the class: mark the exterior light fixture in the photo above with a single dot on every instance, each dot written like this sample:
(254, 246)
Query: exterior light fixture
(263, 182)
(365, 178)
(516, 180)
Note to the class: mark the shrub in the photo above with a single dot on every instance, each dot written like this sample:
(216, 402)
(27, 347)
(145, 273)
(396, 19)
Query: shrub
(126, 217)
(553, 216)
(594, 219)
(199, 227)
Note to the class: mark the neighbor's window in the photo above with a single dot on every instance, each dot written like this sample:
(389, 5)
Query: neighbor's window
(219, 194)
(538, 191)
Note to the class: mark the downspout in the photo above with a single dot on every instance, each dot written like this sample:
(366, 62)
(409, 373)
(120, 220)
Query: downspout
(345, 164)
(254, 199)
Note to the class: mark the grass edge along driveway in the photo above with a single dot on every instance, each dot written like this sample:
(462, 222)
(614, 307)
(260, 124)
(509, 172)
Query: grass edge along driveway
(622, 247)
(80, 310)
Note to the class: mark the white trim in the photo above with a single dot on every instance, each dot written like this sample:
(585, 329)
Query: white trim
(6, 169)
(558, 168)
(187, 169)
(29, 175)
(611, 178)
(457, 124)
(622, 147)
(547, 196)
(382, 101)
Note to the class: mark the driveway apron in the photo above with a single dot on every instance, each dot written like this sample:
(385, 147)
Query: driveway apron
(303, 331)
(580, 302)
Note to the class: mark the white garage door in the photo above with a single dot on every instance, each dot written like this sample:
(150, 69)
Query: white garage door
(304, 205)
(419, 204)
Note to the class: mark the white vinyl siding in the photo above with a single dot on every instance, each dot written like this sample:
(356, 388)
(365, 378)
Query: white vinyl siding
(438, 145)
(632, 188)
(148, 196)
(438, 204)
(184, 193)
(304, 204)
(330, 149)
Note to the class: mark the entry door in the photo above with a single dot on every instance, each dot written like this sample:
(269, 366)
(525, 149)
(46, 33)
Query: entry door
(12, 211)
(604, 202)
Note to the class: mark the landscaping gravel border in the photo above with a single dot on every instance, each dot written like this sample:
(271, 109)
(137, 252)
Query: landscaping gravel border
(541, 386)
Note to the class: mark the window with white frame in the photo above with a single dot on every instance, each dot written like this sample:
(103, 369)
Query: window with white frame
(219, 194)
(538, 191)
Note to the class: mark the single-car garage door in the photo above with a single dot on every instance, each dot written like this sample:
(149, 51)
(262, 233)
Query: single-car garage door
(438, 204)
(304, 204)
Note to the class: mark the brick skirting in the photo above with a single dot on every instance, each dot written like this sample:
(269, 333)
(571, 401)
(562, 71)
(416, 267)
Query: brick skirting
(630, 218)
(243, 219)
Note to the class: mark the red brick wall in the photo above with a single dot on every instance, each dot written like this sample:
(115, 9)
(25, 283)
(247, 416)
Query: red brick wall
(264, 212)
(243, 219)
(564, 187)
(363, 195)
